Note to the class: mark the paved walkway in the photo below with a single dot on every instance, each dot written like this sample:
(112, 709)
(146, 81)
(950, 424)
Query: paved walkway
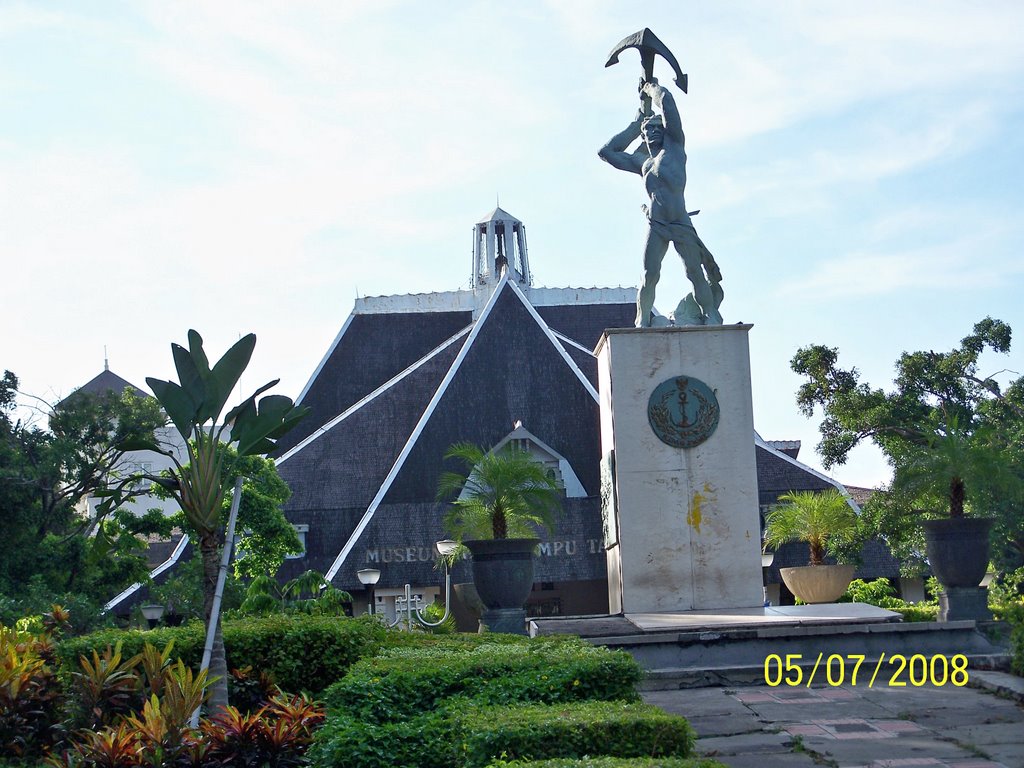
(857, 727)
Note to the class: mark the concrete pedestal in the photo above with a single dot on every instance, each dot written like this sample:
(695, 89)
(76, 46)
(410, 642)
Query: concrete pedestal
(508, 621)
(682, 530)
(959, 603)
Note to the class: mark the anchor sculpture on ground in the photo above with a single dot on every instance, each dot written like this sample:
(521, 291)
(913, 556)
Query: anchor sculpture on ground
(660, 159)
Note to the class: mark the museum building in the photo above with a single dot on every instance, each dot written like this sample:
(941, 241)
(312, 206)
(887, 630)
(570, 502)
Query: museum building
(505, 361)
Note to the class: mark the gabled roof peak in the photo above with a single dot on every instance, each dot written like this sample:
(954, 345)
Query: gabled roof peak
(106, 381)
(499, 214)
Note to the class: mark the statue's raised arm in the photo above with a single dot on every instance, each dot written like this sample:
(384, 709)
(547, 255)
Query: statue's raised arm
(664, 104)
(616, 153)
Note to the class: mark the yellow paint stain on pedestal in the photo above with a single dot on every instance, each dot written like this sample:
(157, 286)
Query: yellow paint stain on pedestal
(696, 512)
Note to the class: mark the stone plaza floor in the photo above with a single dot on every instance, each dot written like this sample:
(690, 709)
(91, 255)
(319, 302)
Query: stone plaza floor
(858, 727)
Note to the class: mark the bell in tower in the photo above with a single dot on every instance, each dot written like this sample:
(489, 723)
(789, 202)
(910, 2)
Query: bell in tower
(499, 244)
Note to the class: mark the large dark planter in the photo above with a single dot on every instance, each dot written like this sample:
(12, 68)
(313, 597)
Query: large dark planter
(503, 577)
(958, 549)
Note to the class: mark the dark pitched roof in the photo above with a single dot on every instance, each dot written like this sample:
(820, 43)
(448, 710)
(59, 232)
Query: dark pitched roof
(400, 538)
(860, 495)
(778, 474)
(345, 464)
(511, 372)
(358, 473)
(106, 381)
(372, 349)
(584, 323)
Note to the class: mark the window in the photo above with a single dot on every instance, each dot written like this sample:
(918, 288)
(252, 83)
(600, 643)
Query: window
(301, 529)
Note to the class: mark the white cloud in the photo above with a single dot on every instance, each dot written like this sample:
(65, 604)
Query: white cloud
(950, 266)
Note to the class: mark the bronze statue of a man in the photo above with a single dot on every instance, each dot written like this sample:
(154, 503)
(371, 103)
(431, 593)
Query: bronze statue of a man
(661, 160)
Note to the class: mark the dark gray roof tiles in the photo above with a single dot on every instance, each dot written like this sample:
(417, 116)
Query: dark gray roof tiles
(584, 323)
(373, 349)
(776, 475)
(346, 464)
(105, 381)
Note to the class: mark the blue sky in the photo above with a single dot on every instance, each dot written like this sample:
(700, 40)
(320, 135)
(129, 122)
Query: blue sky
(239, 167)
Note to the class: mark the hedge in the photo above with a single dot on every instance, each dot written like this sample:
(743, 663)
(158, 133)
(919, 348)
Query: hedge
(577, 730)
(614, 762)
(466, 735)
(342, 741)
(406, 682)
(303, 653)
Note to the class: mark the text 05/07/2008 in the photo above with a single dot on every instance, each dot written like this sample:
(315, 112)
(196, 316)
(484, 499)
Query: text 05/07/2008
(896, 670)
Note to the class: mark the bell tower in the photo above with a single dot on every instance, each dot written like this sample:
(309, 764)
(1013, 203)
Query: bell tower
(499, 244)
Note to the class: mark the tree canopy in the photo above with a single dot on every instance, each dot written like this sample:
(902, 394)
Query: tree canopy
(952, 435)
(50, 550)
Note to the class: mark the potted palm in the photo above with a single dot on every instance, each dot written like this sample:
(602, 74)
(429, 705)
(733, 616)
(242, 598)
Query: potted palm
(939, 475)
(823, 520)
(500, 502)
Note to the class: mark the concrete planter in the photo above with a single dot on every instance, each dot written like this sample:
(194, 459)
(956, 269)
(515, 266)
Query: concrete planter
(818, 583)
(958, 549)
(503, 577)
(467, 595)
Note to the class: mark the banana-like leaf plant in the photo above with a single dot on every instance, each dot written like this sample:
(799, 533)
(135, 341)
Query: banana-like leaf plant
(194, 405)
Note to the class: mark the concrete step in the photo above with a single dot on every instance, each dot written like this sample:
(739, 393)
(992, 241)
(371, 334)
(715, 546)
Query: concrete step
(749, 647)
(696, 649)
(734, 676)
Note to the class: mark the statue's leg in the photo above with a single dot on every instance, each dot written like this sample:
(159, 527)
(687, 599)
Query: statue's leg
(654, 253)
(690, 252)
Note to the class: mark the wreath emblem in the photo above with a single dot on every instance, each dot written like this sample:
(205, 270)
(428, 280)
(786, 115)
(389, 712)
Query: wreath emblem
(683, 412)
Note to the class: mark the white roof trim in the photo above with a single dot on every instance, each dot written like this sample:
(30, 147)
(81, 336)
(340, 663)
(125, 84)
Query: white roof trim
(323, 362)
(407, 448)
(566, 339)
(171, 560)
(551, 336)
(323, 429)
(759, 441)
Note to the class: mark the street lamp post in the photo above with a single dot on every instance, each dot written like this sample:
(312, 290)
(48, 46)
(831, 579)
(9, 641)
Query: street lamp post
(152, 613)
(767, 558)
(368, 577)
(405, 605)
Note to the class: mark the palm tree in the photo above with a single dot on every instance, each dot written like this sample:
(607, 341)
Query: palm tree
(953, 461)
(819, 518)
(504, 494)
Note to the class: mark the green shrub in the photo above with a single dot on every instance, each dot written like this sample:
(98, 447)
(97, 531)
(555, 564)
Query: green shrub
(405, 682)
(303, 653)
(424, 741)
(1006, 594)
(918, 611)
(540, 731)
(618, 762)
(878, 592)
(1013, 615)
